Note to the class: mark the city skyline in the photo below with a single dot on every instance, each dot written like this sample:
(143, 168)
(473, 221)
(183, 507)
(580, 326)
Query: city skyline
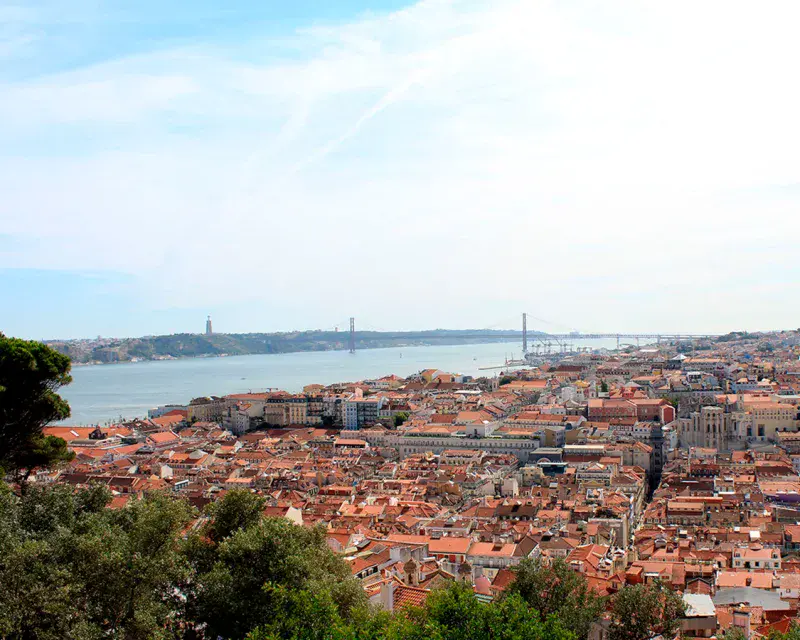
(609, 167)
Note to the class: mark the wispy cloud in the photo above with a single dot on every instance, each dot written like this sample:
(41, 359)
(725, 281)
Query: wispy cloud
(474, 158)
(385, 101)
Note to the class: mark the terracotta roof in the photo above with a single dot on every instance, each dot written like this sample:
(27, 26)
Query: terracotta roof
(405, 596)
(160, 437)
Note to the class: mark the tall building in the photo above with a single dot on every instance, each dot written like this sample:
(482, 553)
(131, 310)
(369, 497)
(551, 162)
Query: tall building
(208, 326)
(361, 412)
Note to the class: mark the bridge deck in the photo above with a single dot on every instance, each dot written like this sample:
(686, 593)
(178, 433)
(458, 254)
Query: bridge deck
(511, 335)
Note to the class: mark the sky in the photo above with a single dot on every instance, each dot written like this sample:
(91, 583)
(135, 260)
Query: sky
(602, 166)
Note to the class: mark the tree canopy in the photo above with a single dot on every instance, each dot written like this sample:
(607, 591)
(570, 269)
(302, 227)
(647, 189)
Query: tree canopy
(555, 589)
(643, 611)
(400, 418)
(273, 570)
(156, 568)
(31, 373)
(87, 571)
(449, 613)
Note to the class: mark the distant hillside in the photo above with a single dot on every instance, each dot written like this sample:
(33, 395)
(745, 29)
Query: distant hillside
(183, 345)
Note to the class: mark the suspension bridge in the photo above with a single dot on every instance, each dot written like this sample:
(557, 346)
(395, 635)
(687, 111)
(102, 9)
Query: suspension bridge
(539, 339)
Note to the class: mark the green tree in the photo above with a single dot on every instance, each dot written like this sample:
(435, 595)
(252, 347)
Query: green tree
(556, 589)
(454, 613)
(126, 564)
(792, 634)
(307, 615)
(238, 509)
(643, 611)
(32, 581)
(400, 418)
(43, 452)
(31, 373)
(253, 568)
(87, 571)
(43, 510)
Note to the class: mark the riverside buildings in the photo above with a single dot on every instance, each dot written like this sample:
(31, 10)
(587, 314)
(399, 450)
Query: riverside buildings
(633, 467)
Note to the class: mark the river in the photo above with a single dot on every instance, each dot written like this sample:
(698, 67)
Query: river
(107, 392)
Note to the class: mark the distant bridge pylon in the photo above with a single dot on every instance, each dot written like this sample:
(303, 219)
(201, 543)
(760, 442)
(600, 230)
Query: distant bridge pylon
(544, 339)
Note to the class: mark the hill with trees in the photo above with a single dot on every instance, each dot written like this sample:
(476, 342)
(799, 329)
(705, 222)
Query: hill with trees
(188, 345)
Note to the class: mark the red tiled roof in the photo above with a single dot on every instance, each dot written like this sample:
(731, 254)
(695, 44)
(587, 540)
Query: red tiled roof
(405, 596)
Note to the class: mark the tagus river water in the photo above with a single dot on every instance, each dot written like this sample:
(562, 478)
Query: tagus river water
(107, 392)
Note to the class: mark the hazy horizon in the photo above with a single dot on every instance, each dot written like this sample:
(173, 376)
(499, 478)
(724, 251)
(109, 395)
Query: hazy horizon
(445, 163)
(344, 331)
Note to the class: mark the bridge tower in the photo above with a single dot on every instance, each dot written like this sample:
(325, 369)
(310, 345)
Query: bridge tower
(524, 333)
(352, 335)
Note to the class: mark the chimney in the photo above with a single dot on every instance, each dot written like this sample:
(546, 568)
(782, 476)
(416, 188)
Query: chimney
(741, 620)
(387, 595)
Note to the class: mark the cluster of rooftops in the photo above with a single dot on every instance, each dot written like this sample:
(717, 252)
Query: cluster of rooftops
(601, 459)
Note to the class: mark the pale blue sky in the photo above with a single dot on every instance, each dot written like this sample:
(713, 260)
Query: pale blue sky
(446, 163)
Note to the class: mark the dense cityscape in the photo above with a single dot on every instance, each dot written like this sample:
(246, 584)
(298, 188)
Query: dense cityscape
(671, 464)
(399, 320)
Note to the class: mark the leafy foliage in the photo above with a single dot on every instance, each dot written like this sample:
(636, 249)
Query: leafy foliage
(30, 375)
(455, 614)
(87, 571)
(400, 418)
(556, 589)
(238, 510)
(42, 452)
(267, 569)
(450, 613)
(643, 611)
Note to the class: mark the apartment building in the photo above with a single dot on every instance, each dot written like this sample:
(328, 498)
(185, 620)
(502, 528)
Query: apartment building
(361, 411)
(287, 409)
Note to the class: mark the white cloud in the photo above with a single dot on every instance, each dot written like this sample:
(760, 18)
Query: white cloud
(612, 165)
